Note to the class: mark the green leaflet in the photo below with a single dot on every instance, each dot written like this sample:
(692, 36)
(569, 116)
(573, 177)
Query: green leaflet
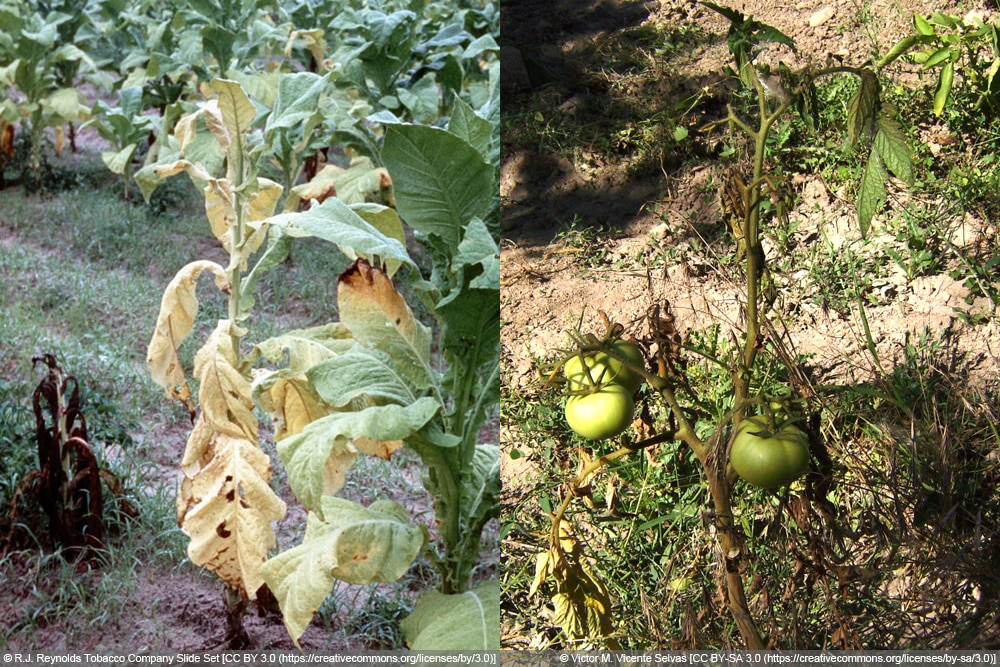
(892, 147)
(352, 543)
(468, 621)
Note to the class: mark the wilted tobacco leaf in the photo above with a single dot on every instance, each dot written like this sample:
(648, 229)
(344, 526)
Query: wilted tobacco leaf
(227, 508)
(224, 394)
(178, 309)
(375, 313)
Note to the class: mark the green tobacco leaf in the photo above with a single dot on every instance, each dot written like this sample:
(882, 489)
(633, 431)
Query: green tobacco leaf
(298, 99)
(376, 314)
(352, 543)
(467, 621)
(440, 180)
(317, 458)
(478, 247)
(892, 147)
(872, 194)
(338, 223)
(862, 108)
(481, 489)
(117, 162)
(944, 87)
(358, 373)
(468, 125)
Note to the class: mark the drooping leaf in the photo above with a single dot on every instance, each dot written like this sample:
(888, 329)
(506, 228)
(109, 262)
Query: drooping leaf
(872, 194)
(118, 161)
(892, 147)
(292, 403)
(862, 108)
(944, 87)
(318, 458)
(352, 543)
(375, 313)
(178, 308)
(227, 508)
(440, 180)
(338, 223)
(224, 394)
(467, 621)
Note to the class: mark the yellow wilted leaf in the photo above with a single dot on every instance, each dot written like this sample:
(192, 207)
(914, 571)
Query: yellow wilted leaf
(227, 509)
(195, 171)
(341, 458)
(292, 404)
(225, 395)
(198, 451)
(219, 210)
(178, 309)
(216, 124)
(582, 606)
(379, 317)
(60, 141)
(381, 449)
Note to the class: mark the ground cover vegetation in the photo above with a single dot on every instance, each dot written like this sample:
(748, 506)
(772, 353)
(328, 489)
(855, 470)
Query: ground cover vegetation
(344, 158)
(761, 497)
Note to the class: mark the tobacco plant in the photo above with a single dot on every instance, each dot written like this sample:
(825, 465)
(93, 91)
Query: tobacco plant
(34, 61)
(367, 384)
(69, 482)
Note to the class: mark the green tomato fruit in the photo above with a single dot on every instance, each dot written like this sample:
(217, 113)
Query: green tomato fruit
(603, 414)
(769, 461)
(605, 369)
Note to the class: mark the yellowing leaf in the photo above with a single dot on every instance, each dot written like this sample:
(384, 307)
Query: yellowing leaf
(219, 210)
(227, 509)
(225, 395)
(317, 458)
(359, 545)
(292, 404)
(216, 125)
(375, 313)
(178, 309)
(198, 451)
(383, 449)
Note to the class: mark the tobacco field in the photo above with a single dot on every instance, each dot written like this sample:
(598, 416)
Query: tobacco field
(249, 276)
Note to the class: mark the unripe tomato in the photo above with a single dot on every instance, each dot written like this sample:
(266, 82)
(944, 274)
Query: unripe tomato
(772, 461)
(603, 414)
(605, 369)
